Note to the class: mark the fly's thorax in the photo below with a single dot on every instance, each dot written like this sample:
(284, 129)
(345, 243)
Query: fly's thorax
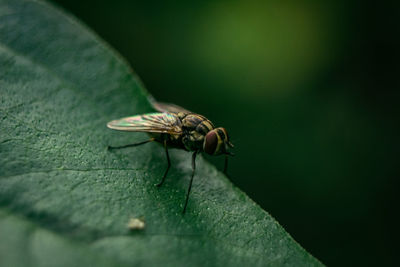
(196, 122)
(181, 115)
(195, 128)
(193, 141)
(217, 142)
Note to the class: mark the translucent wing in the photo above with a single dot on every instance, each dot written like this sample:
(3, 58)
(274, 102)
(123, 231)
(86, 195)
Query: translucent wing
(152, 123)
(167, 107)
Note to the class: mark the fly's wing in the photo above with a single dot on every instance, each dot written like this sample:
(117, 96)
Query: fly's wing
(151, 123)
(167, 107)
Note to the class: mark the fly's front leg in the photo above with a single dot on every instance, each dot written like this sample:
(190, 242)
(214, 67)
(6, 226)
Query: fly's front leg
(169, 165)
(191, 180)
(226, 165)
(131, 145)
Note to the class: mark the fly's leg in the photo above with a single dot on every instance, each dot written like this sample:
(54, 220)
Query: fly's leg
(169, 165)
(226, 165)
(131, 145)
(191, 180)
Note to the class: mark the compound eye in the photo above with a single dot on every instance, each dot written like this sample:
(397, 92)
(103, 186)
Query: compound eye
(210, 143)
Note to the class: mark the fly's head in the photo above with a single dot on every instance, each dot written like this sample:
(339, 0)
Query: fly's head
(217, 142)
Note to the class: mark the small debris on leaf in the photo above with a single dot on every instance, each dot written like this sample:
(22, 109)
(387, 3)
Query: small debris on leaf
(136, 224)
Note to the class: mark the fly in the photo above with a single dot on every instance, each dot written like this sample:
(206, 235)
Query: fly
(176, 127)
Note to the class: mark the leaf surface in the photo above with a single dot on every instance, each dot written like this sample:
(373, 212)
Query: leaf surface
(66, 201)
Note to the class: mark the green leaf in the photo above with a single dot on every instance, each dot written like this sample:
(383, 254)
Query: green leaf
(66, 201)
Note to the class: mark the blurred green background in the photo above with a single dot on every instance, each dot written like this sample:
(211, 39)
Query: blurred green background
(308, 91)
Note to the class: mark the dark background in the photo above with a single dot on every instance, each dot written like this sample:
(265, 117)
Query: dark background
(308, 92)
